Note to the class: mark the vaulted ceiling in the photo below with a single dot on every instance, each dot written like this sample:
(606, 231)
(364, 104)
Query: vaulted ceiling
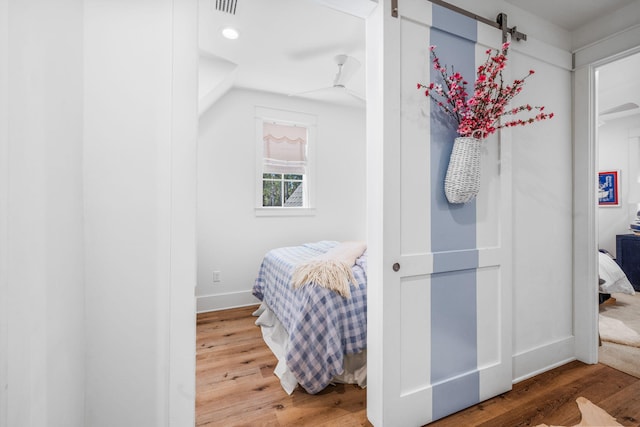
(285, 46)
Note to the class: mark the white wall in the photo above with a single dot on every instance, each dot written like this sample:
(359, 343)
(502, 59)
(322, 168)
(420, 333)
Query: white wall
(140, 118)
(618, 150)
(4, 210)
(42, 345)
(231, 239)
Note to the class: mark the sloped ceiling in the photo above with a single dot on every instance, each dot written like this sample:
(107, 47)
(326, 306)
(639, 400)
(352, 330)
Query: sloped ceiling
(619, 88)
(285, 46)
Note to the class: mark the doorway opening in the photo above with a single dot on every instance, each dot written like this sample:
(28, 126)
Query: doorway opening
(291, 64)
(617, 165)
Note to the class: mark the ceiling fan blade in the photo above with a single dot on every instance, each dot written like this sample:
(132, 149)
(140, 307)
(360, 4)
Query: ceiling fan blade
(347, 67)
(322, 50)
(620, 108)
(307, 92)
(331, 94)
(355, 95)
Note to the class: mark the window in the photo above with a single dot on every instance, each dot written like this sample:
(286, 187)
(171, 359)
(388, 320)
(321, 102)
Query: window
(282, 190)
(284, 162)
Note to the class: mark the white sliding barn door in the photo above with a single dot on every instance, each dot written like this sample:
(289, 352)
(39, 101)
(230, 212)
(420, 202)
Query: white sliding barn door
(439, 326)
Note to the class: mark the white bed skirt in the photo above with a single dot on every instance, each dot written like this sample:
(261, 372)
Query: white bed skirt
(277, 338)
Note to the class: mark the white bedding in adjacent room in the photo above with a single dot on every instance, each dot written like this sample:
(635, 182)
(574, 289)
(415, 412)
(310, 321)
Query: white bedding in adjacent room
(614, 278)
(277, 338)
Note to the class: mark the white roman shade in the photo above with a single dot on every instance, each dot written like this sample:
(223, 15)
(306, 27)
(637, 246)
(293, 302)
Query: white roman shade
(285, 148)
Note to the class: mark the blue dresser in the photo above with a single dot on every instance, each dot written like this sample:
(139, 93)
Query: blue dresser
(628, 257)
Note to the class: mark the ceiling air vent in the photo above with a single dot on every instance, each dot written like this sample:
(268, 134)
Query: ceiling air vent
(227, 6)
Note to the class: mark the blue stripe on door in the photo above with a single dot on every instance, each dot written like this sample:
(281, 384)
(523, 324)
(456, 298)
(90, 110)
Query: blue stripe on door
(453, 227)
(454, 373)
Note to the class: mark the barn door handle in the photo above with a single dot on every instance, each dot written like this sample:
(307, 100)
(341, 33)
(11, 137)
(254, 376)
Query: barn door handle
(396, 267)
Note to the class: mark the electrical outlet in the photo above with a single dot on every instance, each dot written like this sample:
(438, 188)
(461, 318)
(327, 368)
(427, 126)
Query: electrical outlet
(216, 276)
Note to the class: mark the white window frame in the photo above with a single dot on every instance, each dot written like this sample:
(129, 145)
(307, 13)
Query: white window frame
(292, 118)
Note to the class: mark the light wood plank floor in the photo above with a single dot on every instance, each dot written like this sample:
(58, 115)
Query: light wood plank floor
(235, 386)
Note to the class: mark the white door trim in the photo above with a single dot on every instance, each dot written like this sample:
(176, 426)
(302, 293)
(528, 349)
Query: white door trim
(180, 336)
(585, 216)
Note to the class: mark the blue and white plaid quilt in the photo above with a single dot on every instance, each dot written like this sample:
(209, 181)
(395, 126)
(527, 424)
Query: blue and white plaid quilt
(323, 326)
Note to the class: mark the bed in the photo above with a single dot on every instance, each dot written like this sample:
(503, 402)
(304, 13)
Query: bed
(318, 336)
(612, 278)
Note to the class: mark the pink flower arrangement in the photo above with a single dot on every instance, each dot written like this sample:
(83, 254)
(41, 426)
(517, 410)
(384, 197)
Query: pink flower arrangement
(479, 114)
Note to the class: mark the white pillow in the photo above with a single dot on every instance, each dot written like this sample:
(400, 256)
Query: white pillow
(614, 277)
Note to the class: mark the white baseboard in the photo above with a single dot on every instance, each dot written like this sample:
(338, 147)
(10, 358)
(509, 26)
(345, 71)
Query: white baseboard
(543, 358)
(216, 302)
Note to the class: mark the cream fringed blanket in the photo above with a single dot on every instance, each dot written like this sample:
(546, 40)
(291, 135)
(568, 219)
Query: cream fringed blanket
(332, 269)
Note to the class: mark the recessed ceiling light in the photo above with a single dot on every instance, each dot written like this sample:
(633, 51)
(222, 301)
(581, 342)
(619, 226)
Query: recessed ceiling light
(230, 33)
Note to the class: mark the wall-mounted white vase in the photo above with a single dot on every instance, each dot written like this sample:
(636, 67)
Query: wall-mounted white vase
(462, 182)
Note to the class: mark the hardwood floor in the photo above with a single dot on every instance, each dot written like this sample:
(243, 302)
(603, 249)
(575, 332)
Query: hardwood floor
(550, 398)
(235, 386)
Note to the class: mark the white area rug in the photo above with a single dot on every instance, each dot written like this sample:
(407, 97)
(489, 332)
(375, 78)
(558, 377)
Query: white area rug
(616, 331)
(621, 357)
(620, 321)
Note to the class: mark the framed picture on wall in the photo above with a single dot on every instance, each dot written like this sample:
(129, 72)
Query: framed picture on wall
(609, 188)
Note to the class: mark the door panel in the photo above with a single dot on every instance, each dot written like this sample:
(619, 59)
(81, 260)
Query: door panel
(446, 334)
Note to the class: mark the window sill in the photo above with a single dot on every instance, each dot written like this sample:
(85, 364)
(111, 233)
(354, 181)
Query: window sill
(285, 211)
